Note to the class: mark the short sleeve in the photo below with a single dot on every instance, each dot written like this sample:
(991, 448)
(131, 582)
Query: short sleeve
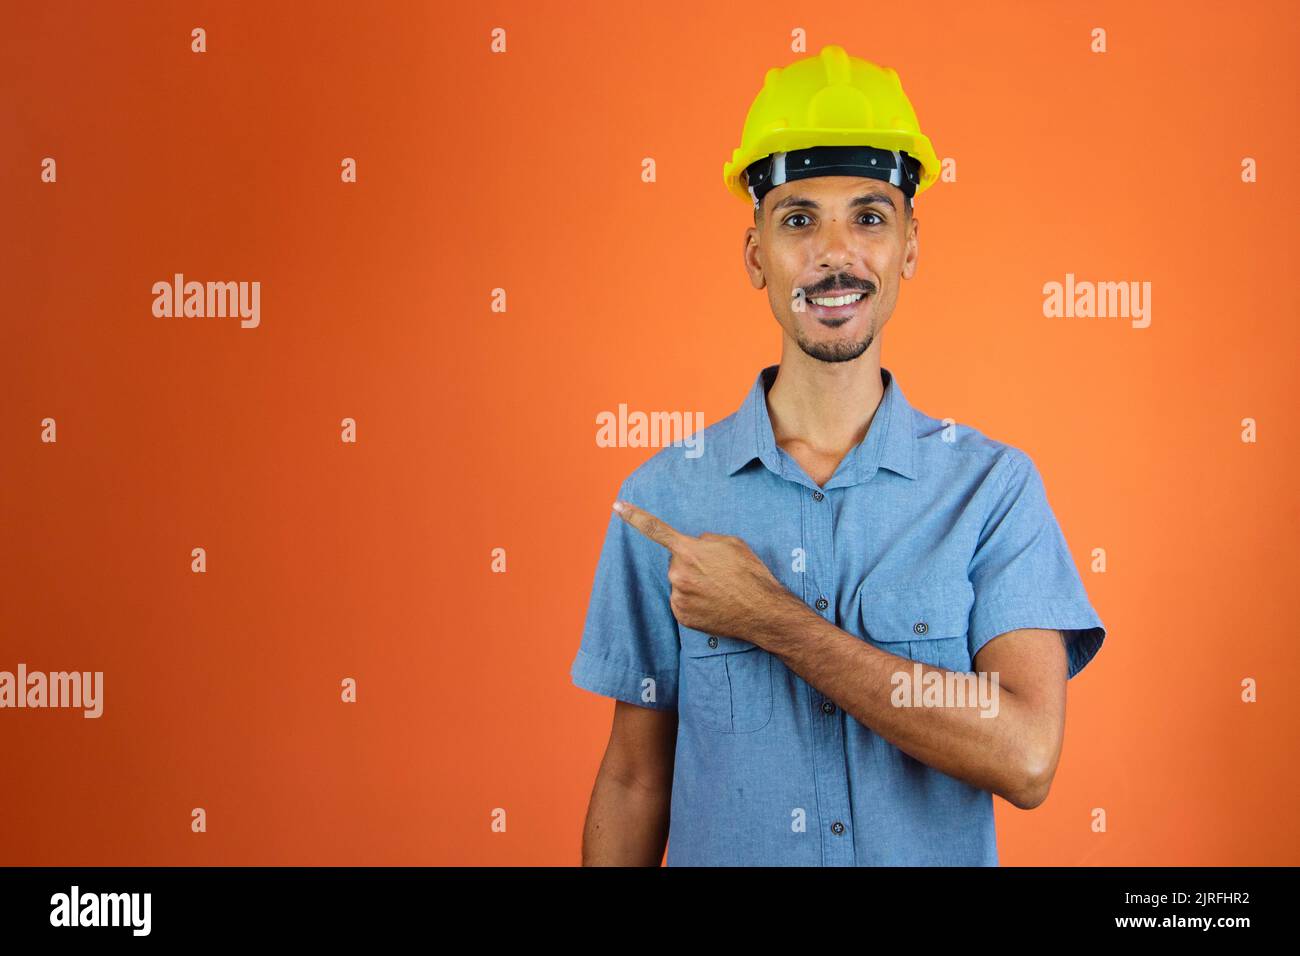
(1023, 573)
(630, 646)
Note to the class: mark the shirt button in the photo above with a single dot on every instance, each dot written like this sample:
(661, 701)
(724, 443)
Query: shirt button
(920, 627)
(823, 604)
(818, 496)
(828, 707)
(713, 641)
(837, 828)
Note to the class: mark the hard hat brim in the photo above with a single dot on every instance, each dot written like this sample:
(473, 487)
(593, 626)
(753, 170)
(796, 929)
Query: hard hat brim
(787, 140)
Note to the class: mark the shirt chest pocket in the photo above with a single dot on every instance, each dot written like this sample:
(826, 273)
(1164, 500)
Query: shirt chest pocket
(924, 622)
(725, 683)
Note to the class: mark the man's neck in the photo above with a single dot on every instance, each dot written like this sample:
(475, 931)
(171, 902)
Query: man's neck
(824, 408)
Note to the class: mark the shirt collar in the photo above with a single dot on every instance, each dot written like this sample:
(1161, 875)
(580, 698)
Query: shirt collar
(888, 443)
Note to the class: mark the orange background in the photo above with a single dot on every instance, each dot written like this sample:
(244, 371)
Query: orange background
(477, 429)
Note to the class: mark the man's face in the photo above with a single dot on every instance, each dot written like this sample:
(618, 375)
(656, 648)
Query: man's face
(846, 235)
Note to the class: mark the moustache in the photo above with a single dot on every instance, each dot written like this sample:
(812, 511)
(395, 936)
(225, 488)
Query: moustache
(869, 288)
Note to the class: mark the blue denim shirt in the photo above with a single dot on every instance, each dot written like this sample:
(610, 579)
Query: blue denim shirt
(921, 522)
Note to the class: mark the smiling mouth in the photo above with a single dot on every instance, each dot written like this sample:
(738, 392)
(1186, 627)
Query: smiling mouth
(837, 307)
(834, 301)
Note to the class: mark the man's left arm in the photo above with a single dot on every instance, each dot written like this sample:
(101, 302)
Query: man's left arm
(1013, 753)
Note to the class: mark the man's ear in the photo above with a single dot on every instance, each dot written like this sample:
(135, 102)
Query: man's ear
(912, 250)
(751, 258)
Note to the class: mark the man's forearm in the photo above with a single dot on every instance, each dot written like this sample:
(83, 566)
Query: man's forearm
(627, 823)
(993, 753)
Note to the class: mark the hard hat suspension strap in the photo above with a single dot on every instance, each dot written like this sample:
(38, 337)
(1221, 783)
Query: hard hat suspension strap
(888, 165)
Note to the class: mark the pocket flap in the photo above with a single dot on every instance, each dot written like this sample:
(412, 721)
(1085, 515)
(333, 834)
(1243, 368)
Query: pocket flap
(699, 644)
(920, 613)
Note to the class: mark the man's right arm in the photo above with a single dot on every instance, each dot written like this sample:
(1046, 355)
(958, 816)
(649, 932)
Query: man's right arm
(627, 820)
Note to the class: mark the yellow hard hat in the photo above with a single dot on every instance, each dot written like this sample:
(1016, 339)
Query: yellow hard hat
(808, 112)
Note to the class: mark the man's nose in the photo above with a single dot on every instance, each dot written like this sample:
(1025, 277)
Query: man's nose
(836, 250)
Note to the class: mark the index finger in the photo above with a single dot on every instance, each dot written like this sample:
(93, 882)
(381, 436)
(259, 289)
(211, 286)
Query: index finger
(654, 528)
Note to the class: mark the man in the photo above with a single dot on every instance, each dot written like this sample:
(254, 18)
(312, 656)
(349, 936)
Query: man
(759, 610)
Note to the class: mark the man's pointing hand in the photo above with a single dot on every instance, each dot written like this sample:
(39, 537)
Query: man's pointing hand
(719, 585)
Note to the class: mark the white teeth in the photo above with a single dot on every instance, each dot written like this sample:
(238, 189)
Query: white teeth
(838, 300)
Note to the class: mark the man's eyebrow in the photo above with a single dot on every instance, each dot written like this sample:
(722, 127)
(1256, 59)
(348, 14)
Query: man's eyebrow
(866, 199)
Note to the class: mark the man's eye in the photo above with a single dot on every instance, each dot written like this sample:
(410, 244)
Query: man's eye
(789, 221)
